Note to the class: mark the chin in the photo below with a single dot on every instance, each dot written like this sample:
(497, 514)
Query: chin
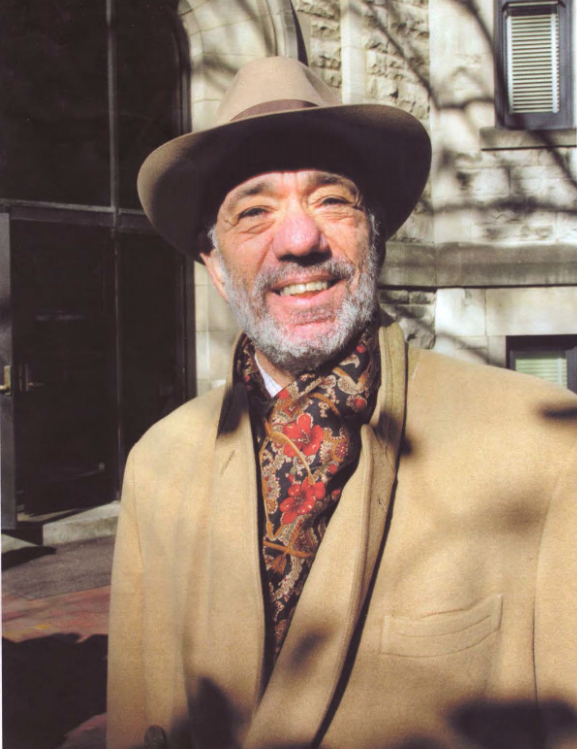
(305, 346)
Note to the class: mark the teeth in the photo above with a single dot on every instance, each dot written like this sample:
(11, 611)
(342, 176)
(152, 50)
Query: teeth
(300, 288)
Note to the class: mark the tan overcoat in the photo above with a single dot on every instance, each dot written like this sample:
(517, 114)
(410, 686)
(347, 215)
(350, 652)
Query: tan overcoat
(440, 610)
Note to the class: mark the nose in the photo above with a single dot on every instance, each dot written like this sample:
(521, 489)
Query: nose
(298, 234)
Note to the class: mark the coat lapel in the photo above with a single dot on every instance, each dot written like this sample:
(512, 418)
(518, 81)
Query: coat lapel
(309, 666)
(227, 663)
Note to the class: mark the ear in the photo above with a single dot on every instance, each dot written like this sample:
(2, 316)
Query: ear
(213, 264)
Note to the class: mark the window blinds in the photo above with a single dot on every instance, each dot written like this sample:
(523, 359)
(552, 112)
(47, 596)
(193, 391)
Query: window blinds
(532, 31)
(550, 366)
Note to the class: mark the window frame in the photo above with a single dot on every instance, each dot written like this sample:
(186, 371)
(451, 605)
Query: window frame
(534, 120)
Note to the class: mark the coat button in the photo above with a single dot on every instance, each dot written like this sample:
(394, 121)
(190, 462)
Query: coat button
(155, 738)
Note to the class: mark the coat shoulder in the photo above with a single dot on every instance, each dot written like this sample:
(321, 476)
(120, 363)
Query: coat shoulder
(479, 397)
(441, 371)
(185, 427)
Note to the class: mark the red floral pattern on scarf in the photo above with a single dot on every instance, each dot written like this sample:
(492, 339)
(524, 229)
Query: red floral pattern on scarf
(308, 440)
(303, 435)
(301, 500)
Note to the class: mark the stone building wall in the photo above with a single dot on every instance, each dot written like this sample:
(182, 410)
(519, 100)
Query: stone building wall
(320, 27)
(504, 202)
(497, 223)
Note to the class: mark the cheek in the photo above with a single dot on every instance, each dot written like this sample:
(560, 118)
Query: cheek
(352, 244)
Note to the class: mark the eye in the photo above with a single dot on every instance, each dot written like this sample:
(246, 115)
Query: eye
(253, 212)
(334, 200)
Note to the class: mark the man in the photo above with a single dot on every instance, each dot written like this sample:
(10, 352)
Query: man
(351, 544)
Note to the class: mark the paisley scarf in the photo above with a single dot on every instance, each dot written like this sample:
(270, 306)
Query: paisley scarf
(308, 441)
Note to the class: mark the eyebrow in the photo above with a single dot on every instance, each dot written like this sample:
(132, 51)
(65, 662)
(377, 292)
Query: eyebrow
(327, 178)
(320, 179)
(251, 190)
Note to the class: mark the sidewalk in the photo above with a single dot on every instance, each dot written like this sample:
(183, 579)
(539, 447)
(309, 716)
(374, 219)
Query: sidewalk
(55, 621)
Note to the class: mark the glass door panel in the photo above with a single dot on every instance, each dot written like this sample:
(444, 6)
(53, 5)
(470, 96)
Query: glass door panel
(65, 395)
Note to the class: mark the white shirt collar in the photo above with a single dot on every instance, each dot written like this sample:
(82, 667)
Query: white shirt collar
(272, 386)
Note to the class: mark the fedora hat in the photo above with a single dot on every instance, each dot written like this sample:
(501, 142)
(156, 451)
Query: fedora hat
(277, 115)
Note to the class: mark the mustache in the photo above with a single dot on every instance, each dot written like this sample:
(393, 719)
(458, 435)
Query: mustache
(338, 269)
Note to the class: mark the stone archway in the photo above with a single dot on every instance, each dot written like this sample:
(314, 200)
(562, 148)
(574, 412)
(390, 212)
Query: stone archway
(224, 35)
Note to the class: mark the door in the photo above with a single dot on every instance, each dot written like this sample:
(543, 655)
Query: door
(94, 307)
(63, 374)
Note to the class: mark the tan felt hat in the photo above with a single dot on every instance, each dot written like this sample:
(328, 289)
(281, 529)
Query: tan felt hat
(277, 115)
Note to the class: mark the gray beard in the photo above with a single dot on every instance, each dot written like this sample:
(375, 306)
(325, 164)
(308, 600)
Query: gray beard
(274, 339)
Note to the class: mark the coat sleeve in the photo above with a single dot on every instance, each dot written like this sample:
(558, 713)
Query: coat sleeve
(126, 713)
(556, 613)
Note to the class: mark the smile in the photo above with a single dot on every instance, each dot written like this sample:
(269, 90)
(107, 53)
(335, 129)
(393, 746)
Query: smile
(302, 288)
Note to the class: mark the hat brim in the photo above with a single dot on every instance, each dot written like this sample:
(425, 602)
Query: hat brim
(386, 150)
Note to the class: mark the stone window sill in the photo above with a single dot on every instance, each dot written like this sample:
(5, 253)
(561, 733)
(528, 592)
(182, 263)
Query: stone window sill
(494, 139)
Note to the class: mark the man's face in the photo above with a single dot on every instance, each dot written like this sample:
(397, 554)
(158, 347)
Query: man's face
(295, 262)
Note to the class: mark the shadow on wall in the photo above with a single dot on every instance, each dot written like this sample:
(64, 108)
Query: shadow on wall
(51, 685)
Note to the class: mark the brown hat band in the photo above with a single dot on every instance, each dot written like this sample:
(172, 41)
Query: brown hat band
(278, 105)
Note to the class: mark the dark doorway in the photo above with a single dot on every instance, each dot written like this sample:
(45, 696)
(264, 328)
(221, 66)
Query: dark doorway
(95, 307)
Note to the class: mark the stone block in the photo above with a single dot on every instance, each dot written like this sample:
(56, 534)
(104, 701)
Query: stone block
(531, 311)
(453, 226)
(382, 89)
(323, 29)
(472, 342)
(538, 233)
(460, 312)
(220, 316)
(422, 297)
(201, 307)
(201, 352)
(417, 332)
(488, 184)
(408, 265)
(218, 13)
(327, 54)
(423, 313)
(219, 351)
(497, 350)
(320, 8)
(566, 227)
(419, 335)
(481, 231)
(201, 277)
(97, 522)
(495, 138)
(392, 296)
(257, 35)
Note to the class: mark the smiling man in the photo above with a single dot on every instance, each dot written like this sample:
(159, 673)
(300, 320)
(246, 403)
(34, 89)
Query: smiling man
(352, 544)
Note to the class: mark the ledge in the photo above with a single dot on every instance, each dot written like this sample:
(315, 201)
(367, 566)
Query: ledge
(493, 139)
(466, 265)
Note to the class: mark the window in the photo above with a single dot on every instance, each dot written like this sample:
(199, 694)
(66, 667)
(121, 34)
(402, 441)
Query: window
(94, 335)
(533, 64)
(552, 358)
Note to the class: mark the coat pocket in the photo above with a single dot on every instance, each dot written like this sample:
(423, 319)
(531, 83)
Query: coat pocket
(443, 633)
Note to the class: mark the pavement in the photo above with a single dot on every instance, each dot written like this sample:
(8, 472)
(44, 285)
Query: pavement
(55, 601)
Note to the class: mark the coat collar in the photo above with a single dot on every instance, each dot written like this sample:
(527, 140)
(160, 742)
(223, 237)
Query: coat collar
(308, 670)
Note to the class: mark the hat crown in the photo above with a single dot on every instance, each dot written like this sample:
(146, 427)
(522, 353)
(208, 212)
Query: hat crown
(260, 84)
